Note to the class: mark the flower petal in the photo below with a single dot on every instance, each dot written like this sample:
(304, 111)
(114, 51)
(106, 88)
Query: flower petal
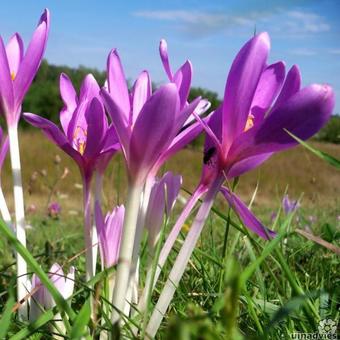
(172, 186)
(153, 129)
(163, 51)
(32, 59)
(89, 88)
(70, 99)
(15, 53)
(303, 115)
(3, 149)
(118, 120)
(247, 217)
(117, 83)
(141, 92)
(267, 89)
(6, 87)
(290, 87)
(241, 85)
(96, 128)
(54, 134)
(182, 79)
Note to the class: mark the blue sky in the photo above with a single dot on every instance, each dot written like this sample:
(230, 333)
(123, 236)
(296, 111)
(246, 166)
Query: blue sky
(306, 33)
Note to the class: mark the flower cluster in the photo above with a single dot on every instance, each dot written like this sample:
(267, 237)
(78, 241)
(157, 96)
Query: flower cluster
(261, 104)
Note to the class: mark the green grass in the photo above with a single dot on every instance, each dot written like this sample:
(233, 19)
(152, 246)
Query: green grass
(260, 290)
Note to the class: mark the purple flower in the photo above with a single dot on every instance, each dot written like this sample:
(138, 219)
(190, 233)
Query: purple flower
(288, 205)
(110, 233)
(54, 209)
(147, 124)
(18, 68)
(85, 135)
(162, 199)
(41, 298)
(259, 104)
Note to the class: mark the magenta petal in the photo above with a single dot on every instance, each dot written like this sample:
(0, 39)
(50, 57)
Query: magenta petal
(141, 92)
(117, 83)
(267, 89)
(291, 86)
(184, 114)
(118, 120)
(15, 53)
(241, 85)
(180, 141)
(89, 88)
(303, 115)
(163, 51)
(247, 164)
(6, 88)
(172, 187)
(70, 99)
(247, 217)
(96, 128)
(32, 59)
(182, 79)
(153, 129)
(54, 134)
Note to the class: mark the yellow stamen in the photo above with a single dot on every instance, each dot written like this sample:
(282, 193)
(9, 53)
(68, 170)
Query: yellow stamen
(13, 75)
(250, 122)
(81, 147)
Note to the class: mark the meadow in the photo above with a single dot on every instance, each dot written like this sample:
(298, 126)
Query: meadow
(260, 291)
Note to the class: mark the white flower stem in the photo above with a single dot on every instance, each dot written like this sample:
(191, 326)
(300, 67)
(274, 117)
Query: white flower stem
(19, 214)
(126, 249)
(182, 260)
(88, 229)
(169, 243)
(6, 216)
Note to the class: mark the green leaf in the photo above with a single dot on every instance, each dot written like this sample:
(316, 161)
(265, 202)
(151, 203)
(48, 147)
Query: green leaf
(326, 157)
(6, 317)
(79, 328)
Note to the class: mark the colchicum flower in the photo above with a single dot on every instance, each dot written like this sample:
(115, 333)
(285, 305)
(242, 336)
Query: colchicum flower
(259, 106)
(289, 205)
(109, 233)
(85, 136)
(18, 68)
(41, 298)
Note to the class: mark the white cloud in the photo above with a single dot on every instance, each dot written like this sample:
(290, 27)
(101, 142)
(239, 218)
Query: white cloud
(303, 52)
(199, 23)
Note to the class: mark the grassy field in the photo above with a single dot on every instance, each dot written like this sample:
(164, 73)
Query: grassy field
(261, 290)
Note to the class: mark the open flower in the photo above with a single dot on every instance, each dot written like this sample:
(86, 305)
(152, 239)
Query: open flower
(146, 123)
(18, 68)
(110, 233)
(41, 298)
(259, 104)
(289, 205)
(85, 135)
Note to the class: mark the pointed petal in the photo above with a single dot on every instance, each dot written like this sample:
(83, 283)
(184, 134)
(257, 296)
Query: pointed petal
(291, 86)
(153, 129)
(303, 115)
(141, 92)
(182, 79)
(202, 107)
(267, 89)
(15, 53)
(96, 128)
(70, 99)
(241, 85)
(32, 59)
(53, 133)
(6, 88)
(118, 120)
(247, 217)
(163, 51)
(89, 88)
(100, 225)
(69, 283)
(117, 83)
(184, 114)
(247, 164)
(172, 186)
